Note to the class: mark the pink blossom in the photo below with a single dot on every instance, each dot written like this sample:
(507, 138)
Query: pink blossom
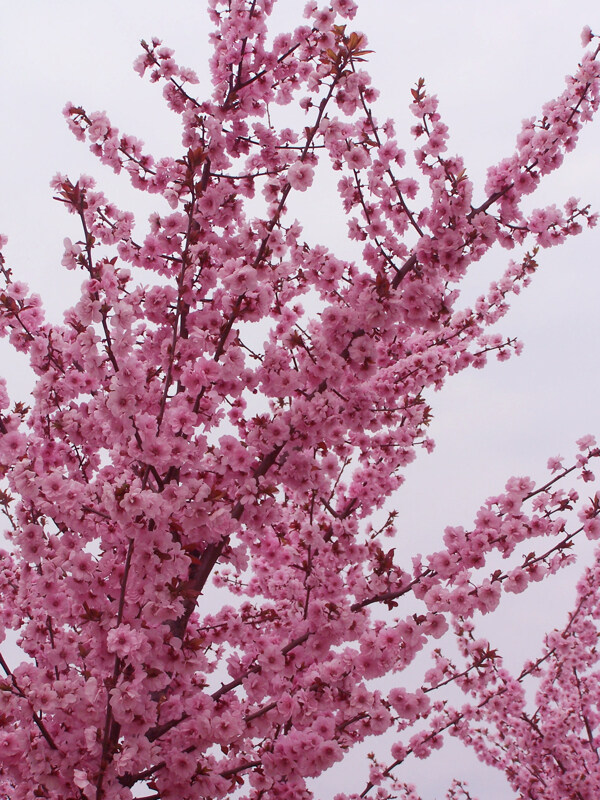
(300, 176)
(555, 463)
(12, 446)
(592, 528)
(357, 158)
(346, 8)
(123, 639)
(586, 442)
(586, 35)
(516, 581)
(72, 252)
(207, 566)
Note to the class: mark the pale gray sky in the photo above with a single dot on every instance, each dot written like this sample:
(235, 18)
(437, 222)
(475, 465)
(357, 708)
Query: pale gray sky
(492, 64)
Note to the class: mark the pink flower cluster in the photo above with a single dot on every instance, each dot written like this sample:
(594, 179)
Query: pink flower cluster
(167, 452)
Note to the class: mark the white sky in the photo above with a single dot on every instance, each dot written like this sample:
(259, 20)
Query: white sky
(491, 65)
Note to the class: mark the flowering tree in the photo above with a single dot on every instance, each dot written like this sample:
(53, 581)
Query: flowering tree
(194, 426)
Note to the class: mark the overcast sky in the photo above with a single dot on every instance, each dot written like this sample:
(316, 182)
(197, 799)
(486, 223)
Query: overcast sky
(492, 64)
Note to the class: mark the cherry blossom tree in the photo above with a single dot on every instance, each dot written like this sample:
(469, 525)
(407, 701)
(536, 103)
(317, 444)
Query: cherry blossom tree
(197, 501)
